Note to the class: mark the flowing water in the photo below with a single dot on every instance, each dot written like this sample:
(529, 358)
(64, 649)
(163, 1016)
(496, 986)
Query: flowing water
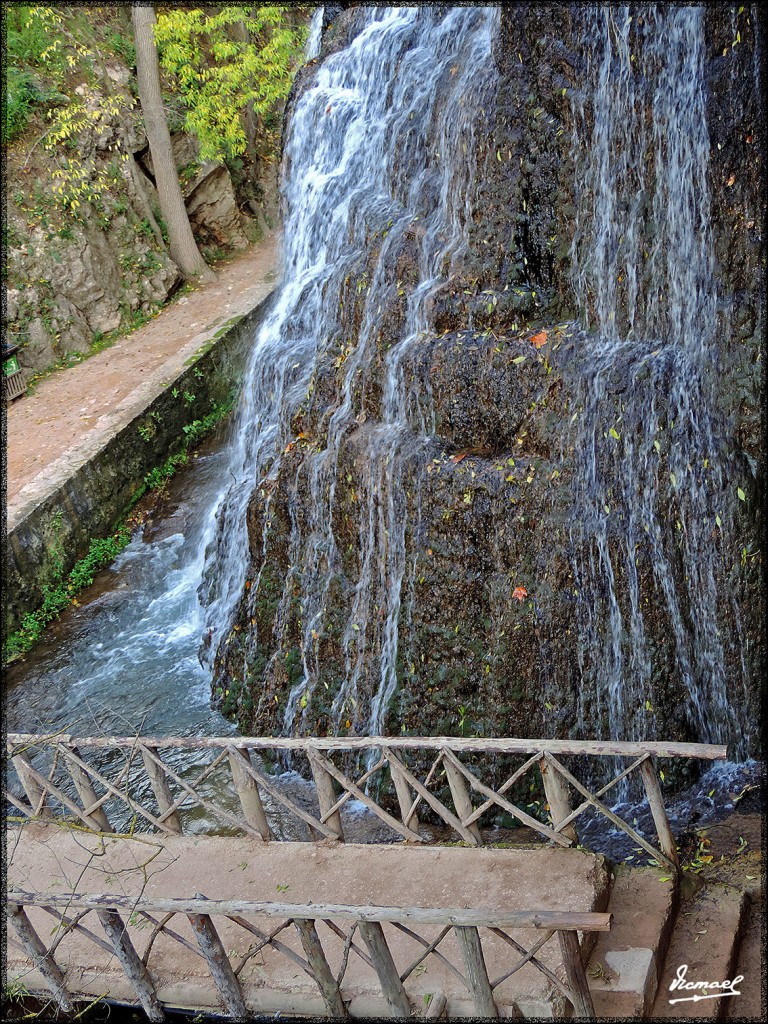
(383, 138)
(652, 474)
(381, 145)
(126, 661)
(315, 34)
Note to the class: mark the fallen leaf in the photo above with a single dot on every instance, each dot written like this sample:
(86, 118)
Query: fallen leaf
(519, 593)
(459, 457)
(731, 180)
(539, 339)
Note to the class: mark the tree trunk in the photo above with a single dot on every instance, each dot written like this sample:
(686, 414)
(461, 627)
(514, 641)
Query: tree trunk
(182, 245)
(240, 34)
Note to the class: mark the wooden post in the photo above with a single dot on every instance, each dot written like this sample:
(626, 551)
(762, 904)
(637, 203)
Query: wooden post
(326, 796)
(35, 793)
(162, 791)
(436, 1008)
(220, 967)
(248, 791)
(556, 792)
(135, 971)
(329, 988)
(405, 800)
(440, 809)
(41, 958)
(658, 810)
(86, 792)
(461, 799)
(472, 952)
(384, 965)
(581, 997)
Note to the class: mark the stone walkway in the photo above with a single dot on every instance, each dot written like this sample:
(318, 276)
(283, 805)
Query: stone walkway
(78, 409)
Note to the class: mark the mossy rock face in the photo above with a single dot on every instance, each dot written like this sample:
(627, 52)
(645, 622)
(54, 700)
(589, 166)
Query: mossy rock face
(489, 500)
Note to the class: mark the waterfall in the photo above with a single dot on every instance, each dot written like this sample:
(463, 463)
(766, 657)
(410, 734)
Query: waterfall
(315, 34)
(652, 524)
(380, 154)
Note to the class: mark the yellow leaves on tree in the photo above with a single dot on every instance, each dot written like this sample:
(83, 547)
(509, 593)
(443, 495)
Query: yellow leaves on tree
(231, 63)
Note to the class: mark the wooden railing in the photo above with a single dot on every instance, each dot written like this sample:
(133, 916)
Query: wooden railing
(197, 926)
(91, 778)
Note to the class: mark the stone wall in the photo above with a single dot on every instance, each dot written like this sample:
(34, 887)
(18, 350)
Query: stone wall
(95, 498)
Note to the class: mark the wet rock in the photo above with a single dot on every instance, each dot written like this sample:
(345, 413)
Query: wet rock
(488, 474)
(481, 388)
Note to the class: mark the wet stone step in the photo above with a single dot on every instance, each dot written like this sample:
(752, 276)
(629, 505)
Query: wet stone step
(624, 968)
(706, 943)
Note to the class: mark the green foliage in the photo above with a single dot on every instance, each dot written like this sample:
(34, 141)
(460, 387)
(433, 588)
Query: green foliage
(225, 61)
(21, 96)
(48, 48)
(194, 432)
(26, 42)
(160, 475)
(26, 38)
(60, 592)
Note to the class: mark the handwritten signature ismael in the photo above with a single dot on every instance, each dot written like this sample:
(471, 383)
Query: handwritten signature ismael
(704, 989)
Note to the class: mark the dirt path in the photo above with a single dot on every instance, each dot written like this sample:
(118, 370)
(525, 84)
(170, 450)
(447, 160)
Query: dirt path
(73, 407)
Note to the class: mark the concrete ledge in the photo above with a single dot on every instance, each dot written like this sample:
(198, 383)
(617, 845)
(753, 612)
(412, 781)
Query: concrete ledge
(50, 859)
(85, 493)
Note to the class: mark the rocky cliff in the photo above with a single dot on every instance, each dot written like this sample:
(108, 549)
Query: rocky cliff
(75, 275)
(511, 601)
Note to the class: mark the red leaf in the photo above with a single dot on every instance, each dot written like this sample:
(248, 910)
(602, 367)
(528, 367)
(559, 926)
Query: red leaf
(539, 339)
(519, 593)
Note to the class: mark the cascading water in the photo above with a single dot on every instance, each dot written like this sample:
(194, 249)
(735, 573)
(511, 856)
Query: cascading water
(382, 141)
(652, 521)
(315, 34)
(320, 509)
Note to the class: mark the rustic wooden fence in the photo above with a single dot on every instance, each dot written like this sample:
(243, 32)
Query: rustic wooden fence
(90, 778)
(118, 934)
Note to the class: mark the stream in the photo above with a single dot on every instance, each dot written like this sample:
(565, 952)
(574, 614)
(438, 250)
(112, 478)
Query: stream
(126, 660)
